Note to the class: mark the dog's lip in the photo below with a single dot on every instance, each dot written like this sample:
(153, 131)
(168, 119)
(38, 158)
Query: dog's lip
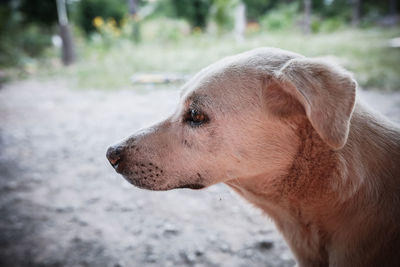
(115, 166)
(192, 186)
(118, 168)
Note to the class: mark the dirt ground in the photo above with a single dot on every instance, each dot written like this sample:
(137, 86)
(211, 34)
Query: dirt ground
(61, 204)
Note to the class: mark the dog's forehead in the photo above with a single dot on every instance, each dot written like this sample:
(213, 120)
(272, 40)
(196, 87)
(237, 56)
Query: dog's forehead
(253, 62)
(204, 80)
(212, 78)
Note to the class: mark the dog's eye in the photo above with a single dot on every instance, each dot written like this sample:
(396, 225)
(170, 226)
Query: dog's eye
(195, 118)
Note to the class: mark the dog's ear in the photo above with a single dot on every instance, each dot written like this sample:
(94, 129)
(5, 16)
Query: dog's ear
(327, 94)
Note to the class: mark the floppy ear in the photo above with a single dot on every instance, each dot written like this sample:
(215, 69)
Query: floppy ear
(327, 94)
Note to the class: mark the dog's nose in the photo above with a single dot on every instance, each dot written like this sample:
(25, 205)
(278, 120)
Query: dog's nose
(114, 155)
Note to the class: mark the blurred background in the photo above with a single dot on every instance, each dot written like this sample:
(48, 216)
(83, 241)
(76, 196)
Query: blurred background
(109, 41)
(78, 75)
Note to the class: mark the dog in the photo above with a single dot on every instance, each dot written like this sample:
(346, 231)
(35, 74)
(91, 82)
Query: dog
(285, 132)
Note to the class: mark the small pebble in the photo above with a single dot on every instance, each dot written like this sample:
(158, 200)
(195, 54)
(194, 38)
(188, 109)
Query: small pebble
(264, 244)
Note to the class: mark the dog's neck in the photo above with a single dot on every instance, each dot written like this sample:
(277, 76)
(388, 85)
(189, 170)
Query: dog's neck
(290, 199)
(315, 172)
(310, 201)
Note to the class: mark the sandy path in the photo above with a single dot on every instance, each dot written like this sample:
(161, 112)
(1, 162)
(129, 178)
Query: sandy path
(61, 204)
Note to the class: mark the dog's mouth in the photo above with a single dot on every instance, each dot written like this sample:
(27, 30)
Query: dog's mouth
(151, 177)
(144, 184)
(192, 186)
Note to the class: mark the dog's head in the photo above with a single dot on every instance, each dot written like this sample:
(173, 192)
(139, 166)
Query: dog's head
(233, 121)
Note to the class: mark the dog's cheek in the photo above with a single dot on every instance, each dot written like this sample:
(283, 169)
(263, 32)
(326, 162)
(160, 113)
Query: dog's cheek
(214, 140)
(203, 142)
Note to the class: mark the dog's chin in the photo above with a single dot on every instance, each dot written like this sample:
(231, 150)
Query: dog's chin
(154, 186)
(144, 184)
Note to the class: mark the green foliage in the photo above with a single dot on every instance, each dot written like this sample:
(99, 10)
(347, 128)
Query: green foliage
(8, 39)
(86, 10)
(27, 25)
(255, 9)
(378, 6)
(221, 14)
(334, 8)
(315, 24)
(331, 24)
(165, 30)
(370, 10)
(194, 11)
(281, 18)
(20, 40)
(33, 40)
(155, 30)
(164, 8)
(360, 51)
(38, 11)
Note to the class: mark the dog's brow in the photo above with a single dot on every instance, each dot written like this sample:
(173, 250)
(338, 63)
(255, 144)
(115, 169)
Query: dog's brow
(198, 100)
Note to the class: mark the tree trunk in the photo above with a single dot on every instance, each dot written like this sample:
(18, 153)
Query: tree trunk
(68, 47)
(240, 22)
(307, 17)
(355, 21)
(68, 51)
(132, 7)
(393, 7)
(132, 4)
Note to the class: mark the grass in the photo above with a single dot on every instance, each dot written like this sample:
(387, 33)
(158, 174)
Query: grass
(364, 52)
